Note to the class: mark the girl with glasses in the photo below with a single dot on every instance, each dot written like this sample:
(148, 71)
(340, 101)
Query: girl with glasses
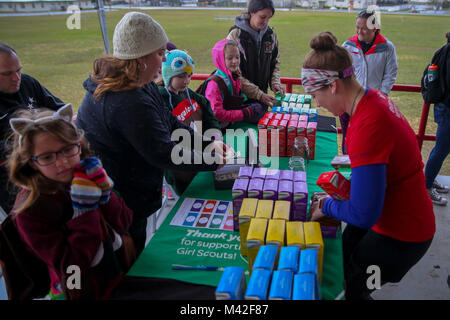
(65, 212)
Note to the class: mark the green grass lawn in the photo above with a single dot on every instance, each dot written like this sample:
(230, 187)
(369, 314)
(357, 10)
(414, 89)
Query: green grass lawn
(61, 59)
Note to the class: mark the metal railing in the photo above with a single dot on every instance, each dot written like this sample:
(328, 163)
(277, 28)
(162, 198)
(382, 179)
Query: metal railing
(420, 135)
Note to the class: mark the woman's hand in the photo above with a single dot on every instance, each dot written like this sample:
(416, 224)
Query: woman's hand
(315, 212)
(223, 151)
(267, 99)
(278, 89)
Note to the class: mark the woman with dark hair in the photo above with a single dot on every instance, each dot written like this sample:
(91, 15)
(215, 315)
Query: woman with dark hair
(390, 219)
(258, 46)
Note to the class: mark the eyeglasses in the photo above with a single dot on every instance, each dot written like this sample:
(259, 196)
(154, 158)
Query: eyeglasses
(50, 158)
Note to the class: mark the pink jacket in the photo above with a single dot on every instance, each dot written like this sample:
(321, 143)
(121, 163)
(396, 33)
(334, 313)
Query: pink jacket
(213, 93)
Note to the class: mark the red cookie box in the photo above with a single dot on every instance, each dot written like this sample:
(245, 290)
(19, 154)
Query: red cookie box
(272, 132)
(278, 116)
(281, 133)
(303, 117)
(301, 128)
(262, 135)
(290, 136)
(294, 117)
(334, 184)
(282, 126)
(311, 136)
(269, 115)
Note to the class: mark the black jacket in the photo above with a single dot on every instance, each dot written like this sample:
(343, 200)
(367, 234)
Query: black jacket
(259, 55)
(31, 95)
(131, 133)
(444, 71)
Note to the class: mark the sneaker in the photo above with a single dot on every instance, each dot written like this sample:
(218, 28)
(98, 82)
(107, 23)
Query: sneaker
(436, 197)
(440, 187)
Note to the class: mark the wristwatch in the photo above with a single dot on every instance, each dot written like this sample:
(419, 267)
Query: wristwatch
(321, 201)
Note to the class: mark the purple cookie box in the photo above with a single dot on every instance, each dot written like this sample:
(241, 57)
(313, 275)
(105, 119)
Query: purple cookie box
(329, 231)
(273, 174)
(285, 190)
(270, 190)
(239, 192)
(299, 201)
(259, 173)
(255, 188)
(245, 172)
(299, 176)
(286, 175)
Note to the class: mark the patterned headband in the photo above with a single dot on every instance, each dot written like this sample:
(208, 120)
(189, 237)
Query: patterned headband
(315, 79)
(19, 125)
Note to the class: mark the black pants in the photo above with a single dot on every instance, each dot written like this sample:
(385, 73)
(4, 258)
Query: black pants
(138, 231)
(7, 191)
(363, 248)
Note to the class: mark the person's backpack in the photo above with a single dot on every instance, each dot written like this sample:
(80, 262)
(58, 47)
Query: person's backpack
(26, 276)
(434, 91)
(230, 102)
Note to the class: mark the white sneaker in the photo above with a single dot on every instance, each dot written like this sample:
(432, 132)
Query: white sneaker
(436, 198)
(440, 187)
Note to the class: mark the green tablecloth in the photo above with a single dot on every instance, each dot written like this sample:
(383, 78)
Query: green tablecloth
(196, 246)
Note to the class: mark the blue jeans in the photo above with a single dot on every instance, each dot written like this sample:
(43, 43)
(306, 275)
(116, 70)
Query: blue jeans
(442, 147)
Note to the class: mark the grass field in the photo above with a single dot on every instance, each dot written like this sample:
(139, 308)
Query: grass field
(61, 58)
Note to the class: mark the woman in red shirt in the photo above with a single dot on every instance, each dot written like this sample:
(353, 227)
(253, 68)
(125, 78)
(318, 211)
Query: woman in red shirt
(390, 219)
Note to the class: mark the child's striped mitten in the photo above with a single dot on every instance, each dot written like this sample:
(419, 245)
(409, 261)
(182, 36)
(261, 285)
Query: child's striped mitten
(97, 174)
(85, 194)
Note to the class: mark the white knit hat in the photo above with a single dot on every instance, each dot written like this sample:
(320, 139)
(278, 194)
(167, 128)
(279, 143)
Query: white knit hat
(137, 35)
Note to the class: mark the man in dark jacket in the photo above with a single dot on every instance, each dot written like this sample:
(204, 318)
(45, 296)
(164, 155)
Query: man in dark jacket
(17, 91)
(442, 118)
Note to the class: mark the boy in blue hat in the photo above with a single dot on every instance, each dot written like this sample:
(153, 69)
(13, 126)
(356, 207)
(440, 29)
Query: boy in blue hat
(188, 106)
